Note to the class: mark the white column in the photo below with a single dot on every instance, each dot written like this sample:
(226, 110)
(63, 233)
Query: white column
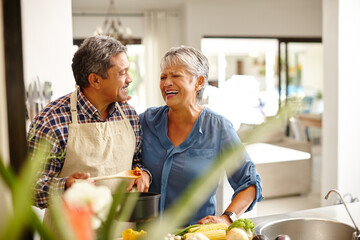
(341, 129)
(349, 100)
(329, 174)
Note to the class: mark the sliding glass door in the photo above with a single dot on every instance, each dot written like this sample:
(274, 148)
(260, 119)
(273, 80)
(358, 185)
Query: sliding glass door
(252, 78)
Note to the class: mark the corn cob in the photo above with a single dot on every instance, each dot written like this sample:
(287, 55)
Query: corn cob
(130, 234)
(209, 227)
(211, 234)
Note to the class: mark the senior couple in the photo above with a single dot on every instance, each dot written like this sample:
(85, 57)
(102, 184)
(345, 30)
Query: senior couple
(94, 131)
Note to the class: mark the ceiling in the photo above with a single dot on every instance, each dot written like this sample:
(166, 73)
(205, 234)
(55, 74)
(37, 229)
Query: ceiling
(98, 6)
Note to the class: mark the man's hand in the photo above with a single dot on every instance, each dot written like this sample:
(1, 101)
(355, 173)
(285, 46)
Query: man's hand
(142, 183)
(215, 219)
(72, 178)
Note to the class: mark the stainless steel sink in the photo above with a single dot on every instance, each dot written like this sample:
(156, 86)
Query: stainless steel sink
(308, 228)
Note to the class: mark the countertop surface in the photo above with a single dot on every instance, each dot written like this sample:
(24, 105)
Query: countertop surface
(335, 213)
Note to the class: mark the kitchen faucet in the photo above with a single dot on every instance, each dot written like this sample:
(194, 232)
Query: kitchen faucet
(356, 234)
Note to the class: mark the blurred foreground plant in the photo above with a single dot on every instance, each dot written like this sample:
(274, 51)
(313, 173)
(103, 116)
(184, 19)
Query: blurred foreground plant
(21, 187)
(71, 213)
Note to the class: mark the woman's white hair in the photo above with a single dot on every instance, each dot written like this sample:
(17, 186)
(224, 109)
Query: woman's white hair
(195, 62)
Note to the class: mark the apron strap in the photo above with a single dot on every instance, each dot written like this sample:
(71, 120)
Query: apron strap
(128, 125)
(73, 107)
(120, 110)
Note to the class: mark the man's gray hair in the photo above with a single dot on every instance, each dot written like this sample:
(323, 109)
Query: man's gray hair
(195, 62)
(94, 56)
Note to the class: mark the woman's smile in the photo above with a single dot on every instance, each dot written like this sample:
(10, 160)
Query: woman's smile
(171, 93)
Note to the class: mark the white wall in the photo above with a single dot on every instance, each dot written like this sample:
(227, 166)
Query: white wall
(341, 129)
(47, 43)
(85, 26)
(252, 18)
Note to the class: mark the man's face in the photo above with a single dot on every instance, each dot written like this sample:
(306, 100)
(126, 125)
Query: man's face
(115, 86)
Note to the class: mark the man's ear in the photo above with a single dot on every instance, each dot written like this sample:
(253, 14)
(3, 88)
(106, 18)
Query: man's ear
(94, 80)
(199, 83)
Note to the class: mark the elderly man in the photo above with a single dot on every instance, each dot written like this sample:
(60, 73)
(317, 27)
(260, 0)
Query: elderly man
(92, 131)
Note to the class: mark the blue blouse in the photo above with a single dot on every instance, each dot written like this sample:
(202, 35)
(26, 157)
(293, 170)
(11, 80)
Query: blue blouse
(173, 169)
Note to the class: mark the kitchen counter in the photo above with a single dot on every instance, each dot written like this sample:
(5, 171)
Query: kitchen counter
(335, 213)
(292, 167)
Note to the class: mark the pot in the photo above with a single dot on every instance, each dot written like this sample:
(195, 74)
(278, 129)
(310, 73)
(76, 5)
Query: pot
(146, 208)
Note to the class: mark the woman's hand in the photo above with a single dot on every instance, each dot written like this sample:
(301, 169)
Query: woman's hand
(142, 183)
(72, 178)
(215, 219)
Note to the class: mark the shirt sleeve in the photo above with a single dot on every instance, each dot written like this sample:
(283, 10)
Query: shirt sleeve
(245, 173)
(39, 136)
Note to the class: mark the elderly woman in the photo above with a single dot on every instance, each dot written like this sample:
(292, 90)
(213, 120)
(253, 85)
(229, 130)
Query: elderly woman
(183, 138)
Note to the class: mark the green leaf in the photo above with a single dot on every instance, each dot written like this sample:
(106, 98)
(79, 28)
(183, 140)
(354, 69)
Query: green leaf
(182, 231)
(43, 231)
(7, 174)
(22, 192)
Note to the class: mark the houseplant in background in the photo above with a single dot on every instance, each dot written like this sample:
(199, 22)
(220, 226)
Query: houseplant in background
(81, 205)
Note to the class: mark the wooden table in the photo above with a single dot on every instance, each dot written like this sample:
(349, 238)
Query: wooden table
(310, 120)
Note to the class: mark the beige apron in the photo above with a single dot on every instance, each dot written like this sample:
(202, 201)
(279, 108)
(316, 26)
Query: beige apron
(101, 148)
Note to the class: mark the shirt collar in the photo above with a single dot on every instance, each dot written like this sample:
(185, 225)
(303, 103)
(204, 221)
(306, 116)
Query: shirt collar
(88, 108)
(161, 122)
(161, 119)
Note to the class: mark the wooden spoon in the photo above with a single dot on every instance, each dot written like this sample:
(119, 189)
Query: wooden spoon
(129, 174)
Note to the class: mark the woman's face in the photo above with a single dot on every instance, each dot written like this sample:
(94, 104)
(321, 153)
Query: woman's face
(178, 86)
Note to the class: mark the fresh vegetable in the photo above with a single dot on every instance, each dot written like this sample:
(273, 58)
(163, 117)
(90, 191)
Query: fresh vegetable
(137, 171)
(182, 231)
(130, 234)
(237, 234)
(282, 237)
(212, 234)
(260, 237)
(245, 224)
(209, 227)
(172, 237)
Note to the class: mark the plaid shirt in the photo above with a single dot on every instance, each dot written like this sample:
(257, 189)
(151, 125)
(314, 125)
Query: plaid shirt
(52, 124)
